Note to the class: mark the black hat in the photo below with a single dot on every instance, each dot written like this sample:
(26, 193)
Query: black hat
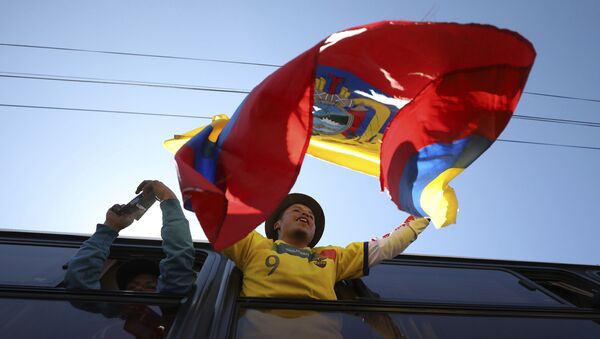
(130, 269)
(303, 199)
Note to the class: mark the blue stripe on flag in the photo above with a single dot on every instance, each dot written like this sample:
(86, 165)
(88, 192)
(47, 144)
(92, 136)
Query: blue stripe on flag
(431, 161)
(204, 154)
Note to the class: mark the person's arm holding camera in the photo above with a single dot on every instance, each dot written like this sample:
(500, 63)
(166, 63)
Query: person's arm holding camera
(85, 267)
(176, 269)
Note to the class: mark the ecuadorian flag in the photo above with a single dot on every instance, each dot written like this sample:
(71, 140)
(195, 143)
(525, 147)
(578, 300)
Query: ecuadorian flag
(410, 102)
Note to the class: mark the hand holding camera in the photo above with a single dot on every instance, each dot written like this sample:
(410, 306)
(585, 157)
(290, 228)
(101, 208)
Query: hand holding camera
(158, 189)
(119, 217)
(117, 221)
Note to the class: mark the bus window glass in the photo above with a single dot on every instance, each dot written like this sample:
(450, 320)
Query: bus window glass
(33, 265)
(32, 318)
(454, 285)
(270, 323)
(439, 326)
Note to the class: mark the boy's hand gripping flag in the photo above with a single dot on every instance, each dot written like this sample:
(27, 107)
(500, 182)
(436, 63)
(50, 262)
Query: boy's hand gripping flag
(413, 103)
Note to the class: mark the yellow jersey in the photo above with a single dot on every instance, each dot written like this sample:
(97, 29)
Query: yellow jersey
(277, 269)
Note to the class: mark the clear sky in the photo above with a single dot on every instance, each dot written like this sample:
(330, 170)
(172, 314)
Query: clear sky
(61, 170)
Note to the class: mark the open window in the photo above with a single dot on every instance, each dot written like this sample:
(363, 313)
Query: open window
(576, 290)
(113, 263)
(33, 267)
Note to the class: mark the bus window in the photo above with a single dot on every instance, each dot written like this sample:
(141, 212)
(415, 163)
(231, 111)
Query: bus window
(33, 265)
(34, 318)
(441, 284)
(447, 326)
(571, 287)
(278, 323)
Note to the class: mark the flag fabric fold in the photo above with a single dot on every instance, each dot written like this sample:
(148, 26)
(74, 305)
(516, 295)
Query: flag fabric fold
(412, 103)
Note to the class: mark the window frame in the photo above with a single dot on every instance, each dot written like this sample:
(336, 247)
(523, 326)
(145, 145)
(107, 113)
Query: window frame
(200, 316)
(594, 274)
(416, 307)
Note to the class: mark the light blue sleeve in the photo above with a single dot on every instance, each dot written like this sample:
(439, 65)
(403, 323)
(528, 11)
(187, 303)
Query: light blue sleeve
(84, 269)
(176, 269)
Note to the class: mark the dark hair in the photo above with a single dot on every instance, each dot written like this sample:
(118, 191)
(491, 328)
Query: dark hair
(132, 268)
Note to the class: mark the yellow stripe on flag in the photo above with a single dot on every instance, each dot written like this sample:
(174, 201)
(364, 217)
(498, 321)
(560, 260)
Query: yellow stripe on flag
(438, 200)
(218, 123)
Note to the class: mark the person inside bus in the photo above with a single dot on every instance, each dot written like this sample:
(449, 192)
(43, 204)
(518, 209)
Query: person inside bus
(286, 264)
(174, 274)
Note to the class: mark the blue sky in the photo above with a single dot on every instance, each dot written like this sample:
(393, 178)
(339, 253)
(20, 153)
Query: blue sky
(62, 169)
